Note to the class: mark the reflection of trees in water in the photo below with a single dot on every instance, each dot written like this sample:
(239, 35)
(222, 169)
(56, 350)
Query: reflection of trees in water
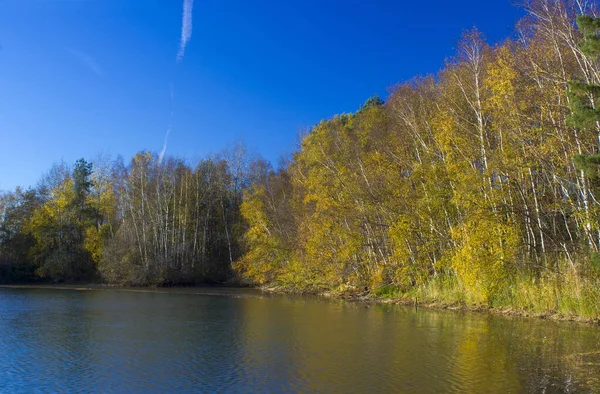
(503, 354)
(347, 347)
(66, 340)
(543, 354)
(482, 359)
(586, 365)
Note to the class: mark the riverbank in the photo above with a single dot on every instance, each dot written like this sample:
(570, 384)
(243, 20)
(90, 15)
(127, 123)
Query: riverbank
(420, 298)
(416, 299)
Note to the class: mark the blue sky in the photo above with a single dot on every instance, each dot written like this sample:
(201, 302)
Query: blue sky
(82, 77)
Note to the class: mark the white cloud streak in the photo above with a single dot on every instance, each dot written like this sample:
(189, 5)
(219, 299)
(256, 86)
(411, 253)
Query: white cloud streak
(86, 60)
(161, 155)
(186, 28)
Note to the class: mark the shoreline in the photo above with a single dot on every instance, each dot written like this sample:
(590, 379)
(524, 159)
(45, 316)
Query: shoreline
(438, 305)
(191, 290)
(359, 298)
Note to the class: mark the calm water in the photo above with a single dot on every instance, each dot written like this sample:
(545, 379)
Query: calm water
(242, 341)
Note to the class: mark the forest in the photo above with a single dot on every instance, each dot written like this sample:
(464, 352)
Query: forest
(477, 185)
(152, 221)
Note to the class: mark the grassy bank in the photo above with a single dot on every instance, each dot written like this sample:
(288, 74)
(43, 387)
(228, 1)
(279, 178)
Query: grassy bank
(555, 297)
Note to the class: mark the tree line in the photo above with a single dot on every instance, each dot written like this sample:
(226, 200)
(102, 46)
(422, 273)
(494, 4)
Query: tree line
(152, 221)
(480, 180)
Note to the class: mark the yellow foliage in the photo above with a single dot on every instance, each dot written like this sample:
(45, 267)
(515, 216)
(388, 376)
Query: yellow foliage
(485, 254)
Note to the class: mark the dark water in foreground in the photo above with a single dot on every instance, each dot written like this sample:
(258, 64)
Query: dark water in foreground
(242, 341)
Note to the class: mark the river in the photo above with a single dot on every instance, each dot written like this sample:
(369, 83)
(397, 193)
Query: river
(235, 340)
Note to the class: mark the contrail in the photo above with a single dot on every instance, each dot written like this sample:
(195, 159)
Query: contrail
(87, 60)
(186, 35)
(161, 155)
(186, 28)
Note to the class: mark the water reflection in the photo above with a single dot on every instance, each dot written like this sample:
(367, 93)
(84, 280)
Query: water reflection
(110, 341)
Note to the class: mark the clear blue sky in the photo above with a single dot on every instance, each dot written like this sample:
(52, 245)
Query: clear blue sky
(82, 77)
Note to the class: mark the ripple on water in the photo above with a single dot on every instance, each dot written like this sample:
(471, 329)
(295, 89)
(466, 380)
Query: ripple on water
(105, 341)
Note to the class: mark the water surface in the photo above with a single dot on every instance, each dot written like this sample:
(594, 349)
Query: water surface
(231, 340)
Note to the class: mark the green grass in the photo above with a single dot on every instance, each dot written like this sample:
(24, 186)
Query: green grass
(387, 291)
(565, 294)
(553, 294)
